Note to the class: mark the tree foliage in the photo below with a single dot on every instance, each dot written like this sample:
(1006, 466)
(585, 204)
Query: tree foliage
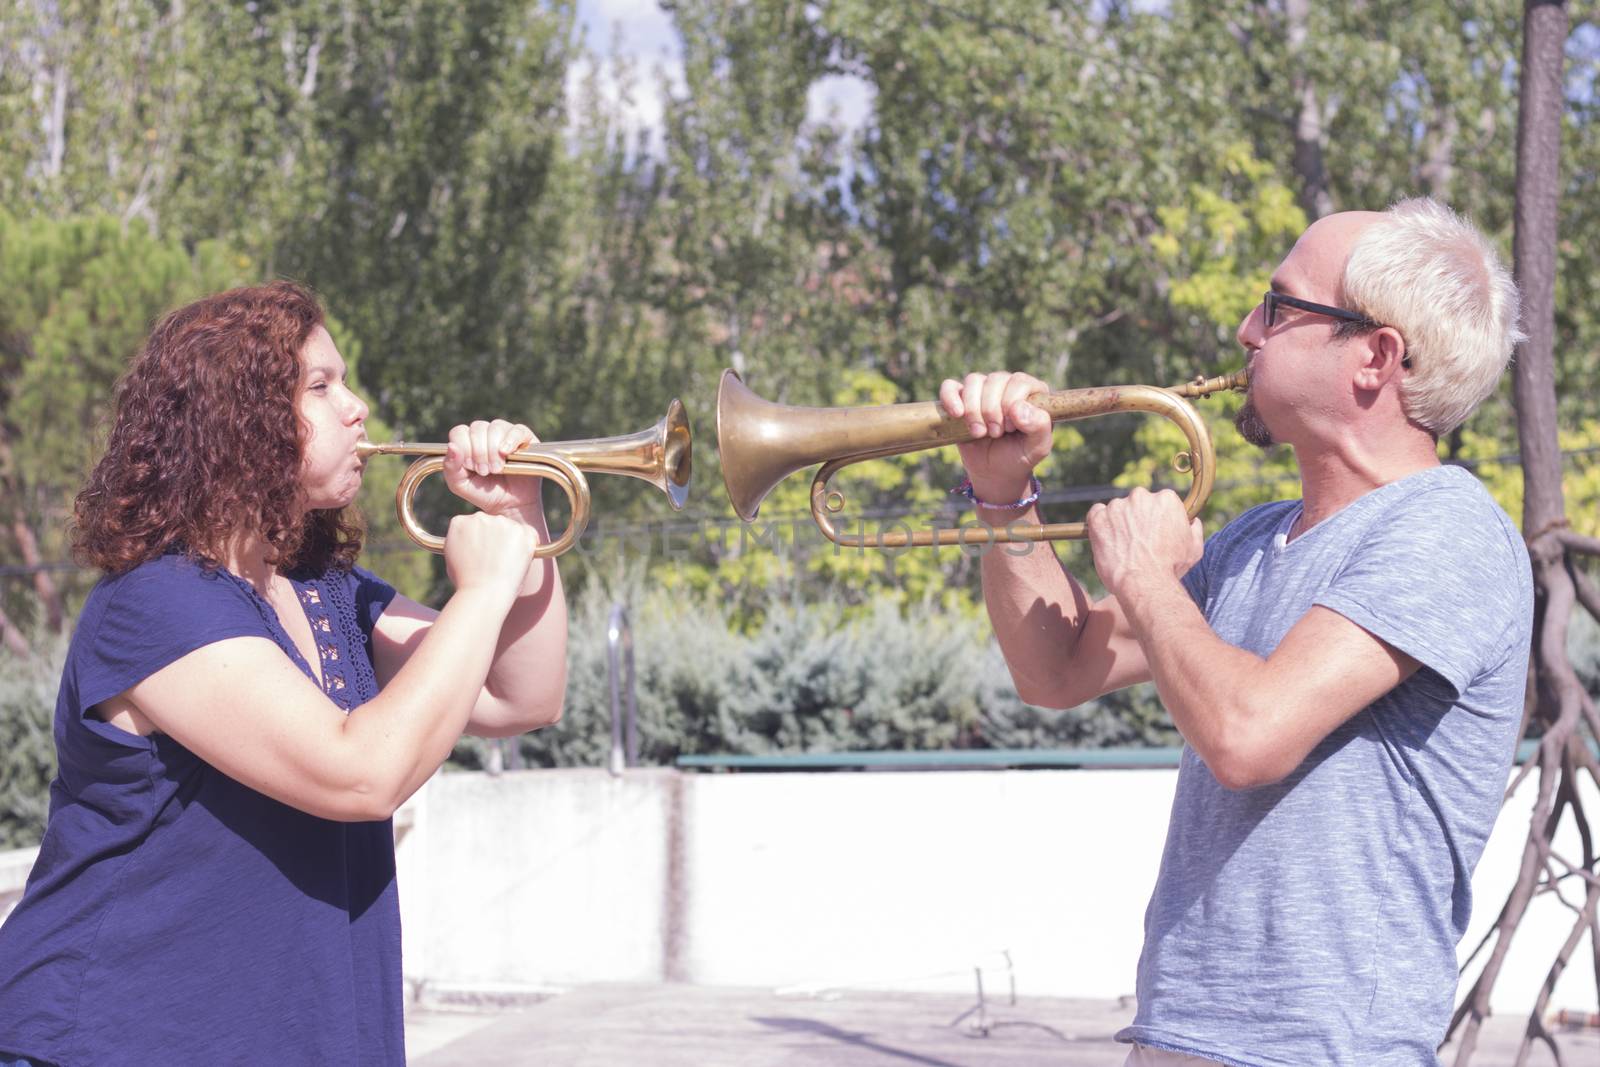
(77, 296)
(1091, 192)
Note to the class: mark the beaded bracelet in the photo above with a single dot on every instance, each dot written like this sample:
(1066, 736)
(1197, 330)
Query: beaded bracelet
(965, 489)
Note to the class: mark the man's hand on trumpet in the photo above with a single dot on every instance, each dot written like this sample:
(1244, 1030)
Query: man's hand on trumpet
(1013, 435)
(1141, 536)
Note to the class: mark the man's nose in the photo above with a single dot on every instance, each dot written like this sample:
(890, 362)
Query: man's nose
(1250, 329)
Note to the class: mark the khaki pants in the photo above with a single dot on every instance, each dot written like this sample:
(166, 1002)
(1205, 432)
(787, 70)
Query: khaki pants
(1145, 1056)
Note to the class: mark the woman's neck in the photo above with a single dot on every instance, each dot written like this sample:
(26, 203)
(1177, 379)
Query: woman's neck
(246, 556)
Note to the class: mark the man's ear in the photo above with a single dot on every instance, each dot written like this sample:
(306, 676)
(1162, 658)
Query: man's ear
(1383, 357)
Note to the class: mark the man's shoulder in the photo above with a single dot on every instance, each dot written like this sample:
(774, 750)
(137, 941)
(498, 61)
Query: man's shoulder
(1257, 522)
(1442, 490)
(1448, 508)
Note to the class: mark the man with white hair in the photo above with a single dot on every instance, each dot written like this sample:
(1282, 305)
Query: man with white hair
(1347, 669)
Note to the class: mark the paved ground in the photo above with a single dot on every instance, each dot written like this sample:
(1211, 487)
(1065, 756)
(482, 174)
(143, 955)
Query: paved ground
(698, 1026)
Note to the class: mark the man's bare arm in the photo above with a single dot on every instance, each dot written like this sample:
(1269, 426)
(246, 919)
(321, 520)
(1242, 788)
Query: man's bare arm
(1062, 649)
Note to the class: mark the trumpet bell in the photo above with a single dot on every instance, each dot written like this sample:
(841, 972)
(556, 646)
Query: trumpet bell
(759, 448)
(661, 455)
(761, 443)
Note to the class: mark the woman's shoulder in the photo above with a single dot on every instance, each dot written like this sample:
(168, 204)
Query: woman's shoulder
(171, 598)
(137, 622)
(354, 580)
(173, 580)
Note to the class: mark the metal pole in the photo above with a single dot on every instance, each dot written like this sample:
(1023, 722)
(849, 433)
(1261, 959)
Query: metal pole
(619, 658)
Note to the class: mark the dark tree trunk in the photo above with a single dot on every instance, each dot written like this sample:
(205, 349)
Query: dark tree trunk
(1316, 198)
(44, 586)
(12, 638)
(1534, 252)
(1559, 706)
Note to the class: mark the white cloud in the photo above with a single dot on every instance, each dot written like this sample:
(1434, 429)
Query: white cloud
(638, 34)
(844, 99)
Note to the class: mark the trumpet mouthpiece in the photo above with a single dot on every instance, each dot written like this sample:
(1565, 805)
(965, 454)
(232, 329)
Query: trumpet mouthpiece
(1203, 386)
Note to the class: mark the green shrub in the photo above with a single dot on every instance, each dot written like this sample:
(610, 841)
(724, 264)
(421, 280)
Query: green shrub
(28, 758)
(811, 677)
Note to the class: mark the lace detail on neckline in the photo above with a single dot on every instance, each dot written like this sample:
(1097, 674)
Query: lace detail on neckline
(331, 661)
(347, 677)
(359, 684)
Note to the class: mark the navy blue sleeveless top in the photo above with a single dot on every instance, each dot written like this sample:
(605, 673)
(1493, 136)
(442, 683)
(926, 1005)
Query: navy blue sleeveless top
(175, 915)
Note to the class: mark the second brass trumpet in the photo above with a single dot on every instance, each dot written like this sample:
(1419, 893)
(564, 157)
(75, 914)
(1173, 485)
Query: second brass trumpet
(762, 443)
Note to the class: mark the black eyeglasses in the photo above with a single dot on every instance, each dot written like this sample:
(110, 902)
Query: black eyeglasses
(1271, 300)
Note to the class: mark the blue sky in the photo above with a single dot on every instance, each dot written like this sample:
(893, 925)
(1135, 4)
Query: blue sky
(640, 31)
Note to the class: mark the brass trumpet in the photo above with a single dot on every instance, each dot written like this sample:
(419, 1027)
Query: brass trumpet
(660, 455)
(762, 443)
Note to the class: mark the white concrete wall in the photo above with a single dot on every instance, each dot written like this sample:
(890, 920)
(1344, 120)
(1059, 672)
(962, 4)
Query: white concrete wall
(535, 878)
(897, 880)
(14, 867)
(890, 879)
(907, 879)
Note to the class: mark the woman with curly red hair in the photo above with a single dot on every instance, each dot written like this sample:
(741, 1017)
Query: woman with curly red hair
(242, 709)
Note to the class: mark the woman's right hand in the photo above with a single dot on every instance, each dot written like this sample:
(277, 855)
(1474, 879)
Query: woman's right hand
(1012, 436)
(489, 551)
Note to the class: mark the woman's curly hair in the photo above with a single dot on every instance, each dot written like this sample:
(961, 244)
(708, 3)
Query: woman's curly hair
(207, 443)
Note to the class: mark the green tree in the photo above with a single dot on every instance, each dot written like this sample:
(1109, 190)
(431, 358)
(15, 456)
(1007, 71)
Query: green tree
(433, 234)
(76, 299)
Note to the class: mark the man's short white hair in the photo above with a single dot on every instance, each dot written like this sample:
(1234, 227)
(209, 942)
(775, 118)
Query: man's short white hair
(1430, 274)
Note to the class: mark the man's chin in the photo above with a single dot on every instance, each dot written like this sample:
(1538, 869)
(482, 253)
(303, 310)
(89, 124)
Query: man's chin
(1251, 427)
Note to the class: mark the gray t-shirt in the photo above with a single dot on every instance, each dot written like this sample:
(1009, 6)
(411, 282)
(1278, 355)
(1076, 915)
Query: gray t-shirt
(1315, 921)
